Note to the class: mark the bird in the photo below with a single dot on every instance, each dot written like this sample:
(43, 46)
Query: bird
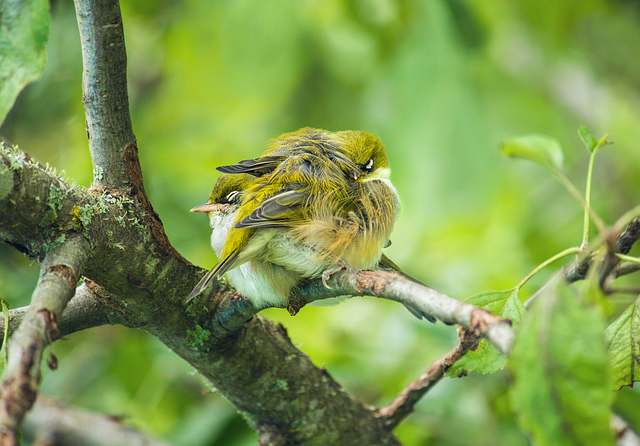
(256, 280)
(315, 202)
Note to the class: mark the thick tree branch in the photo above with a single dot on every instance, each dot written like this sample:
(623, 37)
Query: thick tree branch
(56, 424)
(59, 272)
(104, 90)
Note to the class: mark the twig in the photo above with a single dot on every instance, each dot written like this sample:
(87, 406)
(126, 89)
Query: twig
(104, 90)
(56, 424)
(403, 405)
(630, 235)
(57, 284)
(447, 309)
(626, 268)
(623, 244)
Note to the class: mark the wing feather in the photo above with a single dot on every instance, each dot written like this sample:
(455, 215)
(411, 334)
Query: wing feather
(256, 167)
(276, 212)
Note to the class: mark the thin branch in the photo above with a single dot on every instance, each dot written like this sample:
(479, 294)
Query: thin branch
(392, 286)
(623, 244)
(57, 424)
(626, 268)
(58, 277)
(630, 235)
(403, 405)
(104, 90)
(84, 310)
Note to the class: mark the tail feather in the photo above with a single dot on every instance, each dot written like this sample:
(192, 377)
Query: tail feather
(216, 272)
(202, 284)
(387, 264)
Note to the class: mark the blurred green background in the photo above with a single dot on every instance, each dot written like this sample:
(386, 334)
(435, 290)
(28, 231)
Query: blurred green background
(442, 82)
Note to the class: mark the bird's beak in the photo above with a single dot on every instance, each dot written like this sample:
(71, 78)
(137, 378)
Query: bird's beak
(209, 207)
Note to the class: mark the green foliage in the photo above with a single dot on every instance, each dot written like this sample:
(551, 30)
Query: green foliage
(587, 138)
(24, 28)
(623, 339)
(561, 388)
(486, 359)
(543, 150)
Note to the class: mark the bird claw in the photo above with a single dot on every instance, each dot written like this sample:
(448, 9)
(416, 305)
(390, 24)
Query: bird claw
(327, 273)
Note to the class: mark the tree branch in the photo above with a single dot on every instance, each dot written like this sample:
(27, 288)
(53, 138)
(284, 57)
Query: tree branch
(59, 273)
(84, 310)
(56, 424)
(104, 90)
(392, 286)
(403, 405)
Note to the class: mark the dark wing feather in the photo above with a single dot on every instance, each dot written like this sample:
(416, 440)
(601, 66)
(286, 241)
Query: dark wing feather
(217, 271)
(256, 167)
(276, 212)
(387, 264)
(225, 264)
(201, 285)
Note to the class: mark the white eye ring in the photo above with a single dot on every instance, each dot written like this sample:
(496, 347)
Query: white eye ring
(369, 164)
(232, 195)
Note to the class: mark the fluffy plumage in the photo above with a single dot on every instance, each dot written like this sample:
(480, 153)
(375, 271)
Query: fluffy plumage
(313, 200)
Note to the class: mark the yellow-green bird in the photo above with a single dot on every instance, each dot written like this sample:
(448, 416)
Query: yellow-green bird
(319, 201)
(259, 281)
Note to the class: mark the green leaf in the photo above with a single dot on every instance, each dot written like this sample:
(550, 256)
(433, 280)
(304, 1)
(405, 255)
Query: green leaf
(626, 405)
(5, 338)
(562, 386)
(587, 138)
(486, 359)
(24, 29)
(622, 337)
(540, 149)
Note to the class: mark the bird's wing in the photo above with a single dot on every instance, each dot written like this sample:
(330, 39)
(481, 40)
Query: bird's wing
(278, 211)
(387, 264)
(256, 167)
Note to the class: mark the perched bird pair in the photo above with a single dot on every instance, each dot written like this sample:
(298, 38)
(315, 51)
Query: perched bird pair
(314, 203)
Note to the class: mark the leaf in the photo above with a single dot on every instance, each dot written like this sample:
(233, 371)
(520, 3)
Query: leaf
(5, 338)
(540, 149)
(623, 337)
(587, 138)
(24, 29)
(626, 405)
(486, 359)
(561, 389)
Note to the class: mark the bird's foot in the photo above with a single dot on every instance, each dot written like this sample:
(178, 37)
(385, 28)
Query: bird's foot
(340, 265)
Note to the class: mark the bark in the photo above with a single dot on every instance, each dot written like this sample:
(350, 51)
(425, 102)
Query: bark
(104, 90)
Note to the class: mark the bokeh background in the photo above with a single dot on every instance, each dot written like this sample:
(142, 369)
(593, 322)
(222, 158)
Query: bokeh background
(442, 82)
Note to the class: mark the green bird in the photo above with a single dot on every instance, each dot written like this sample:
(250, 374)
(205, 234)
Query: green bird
(314, 203)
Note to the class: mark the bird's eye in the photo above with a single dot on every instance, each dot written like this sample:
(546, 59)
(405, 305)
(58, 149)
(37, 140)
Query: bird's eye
(369, 165)
(233, 196)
